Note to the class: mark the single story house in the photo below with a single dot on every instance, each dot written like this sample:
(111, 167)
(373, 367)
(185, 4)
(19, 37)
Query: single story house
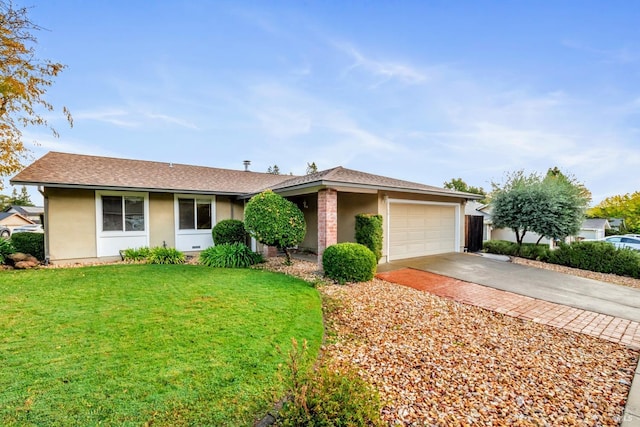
(32, 213)
(11, 220)
(593, 229)
(96, 206)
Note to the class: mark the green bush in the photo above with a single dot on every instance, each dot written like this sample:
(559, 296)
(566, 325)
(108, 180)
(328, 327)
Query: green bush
(326, 397)
(527, 250)
(229, 231)
(500, 247)
(349, 262)
(275, 221)
(29, 243)
(229, 255)
(602, 257)
(162, 255)
(6, 249)
(369, 232)
(136, 254)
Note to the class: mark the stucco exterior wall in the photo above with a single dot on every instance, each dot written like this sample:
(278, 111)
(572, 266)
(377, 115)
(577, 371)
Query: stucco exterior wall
(161, 220)
(350, 205)
(71, 223)
(308, 204)
(509, 235)
(228, 208)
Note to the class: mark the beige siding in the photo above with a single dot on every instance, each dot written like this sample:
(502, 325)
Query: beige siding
(350, 205)
(228, 208)
(14, 221)
(71, 223)
(161, 220)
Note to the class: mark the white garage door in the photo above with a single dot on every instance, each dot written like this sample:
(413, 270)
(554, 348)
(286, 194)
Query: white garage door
(421, 229)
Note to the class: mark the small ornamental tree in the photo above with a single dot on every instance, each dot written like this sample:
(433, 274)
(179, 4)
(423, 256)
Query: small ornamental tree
(552, 206)
(275, 221)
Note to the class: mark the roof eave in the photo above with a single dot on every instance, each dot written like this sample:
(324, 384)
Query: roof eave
(314, 185)
(117, 188)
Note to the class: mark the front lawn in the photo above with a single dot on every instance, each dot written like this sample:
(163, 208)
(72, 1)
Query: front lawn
(157, 344)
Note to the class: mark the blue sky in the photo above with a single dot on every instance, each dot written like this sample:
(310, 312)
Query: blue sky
(424, 91)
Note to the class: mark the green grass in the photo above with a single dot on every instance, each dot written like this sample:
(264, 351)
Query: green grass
(163, 344)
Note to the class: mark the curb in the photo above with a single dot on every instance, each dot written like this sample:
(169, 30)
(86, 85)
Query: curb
(631, 416)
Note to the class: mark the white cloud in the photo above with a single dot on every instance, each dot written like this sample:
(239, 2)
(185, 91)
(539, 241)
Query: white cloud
(383, 70)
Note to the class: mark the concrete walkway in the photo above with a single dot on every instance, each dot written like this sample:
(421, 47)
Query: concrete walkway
(577, 292)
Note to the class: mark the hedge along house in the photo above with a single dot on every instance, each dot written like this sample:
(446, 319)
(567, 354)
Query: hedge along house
(97, 206)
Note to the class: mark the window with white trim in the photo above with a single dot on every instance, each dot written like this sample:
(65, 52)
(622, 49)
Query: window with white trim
(194, 214)
(122, 213)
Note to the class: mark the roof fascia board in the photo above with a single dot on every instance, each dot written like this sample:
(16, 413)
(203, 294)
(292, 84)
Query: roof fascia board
(111, 188)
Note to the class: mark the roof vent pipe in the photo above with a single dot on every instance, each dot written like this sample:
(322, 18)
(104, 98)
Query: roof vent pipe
(246, 164)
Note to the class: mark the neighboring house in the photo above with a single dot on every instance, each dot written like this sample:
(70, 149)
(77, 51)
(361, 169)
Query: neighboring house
(33, 213)
(11, 220)
(97, 206)
(618, 225)
(593, 229)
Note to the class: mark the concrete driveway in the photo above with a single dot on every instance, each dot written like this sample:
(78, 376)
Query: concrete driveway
(586, 294)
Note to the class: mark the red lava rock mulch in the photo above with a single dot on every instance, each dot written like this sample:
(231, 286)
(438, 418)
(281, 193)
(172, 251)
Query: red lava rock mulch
(437, 362)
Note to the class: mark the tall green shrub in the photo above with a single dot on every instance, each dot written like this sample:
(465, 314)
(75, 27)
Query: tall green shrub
(349, 262)
(29, 243)
(229, 231)
(369, 232)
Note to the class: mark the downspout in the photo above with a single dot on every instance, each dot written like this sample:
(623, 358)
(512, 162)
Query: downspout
(45, 224)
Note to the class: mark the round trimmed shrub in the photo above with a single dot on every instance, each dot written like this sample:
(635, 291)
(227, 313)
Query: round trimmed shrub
(228, 231)
(349, 262)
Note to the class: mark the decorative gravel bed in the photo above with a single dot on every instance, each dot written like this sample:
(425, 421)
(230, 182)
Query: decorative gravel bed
(439, 362)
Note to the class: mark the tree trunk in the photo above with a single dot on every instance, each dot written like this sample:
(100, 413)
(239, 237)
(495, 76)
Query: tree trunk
(287, 255)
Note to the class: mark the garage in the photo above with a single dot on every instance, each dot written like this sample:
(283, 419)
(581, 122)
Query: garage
(422, 228)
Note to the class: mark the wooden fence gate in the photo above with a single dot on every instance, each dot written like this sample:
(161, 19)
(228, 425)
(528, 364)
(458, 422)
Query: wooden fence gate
(473, 235)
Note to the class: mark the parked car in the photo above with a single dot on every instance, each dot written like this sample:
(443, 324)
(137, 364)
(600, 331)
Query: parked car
(31, 228)
(5, 232)
(623, 242)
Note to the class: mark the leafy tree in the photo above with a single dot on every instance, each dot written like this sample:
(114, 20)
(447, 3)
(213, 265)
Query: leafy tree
(275, 170)
(552, 206)
(22, 199)
(24, 79)
(275, 221)
(5, 202)
(459, 185)
(311, 168)
(625, 206)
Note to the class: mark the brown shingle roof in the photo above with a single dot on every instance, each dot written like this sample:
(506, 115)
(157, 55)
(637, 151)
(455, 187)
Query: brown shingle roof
(343, 176)
(74, 170)
(81, 171)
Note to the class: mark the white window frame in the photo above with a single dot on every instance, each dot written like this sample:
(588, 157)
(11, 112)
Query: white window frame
(127, 239)
(198, 235)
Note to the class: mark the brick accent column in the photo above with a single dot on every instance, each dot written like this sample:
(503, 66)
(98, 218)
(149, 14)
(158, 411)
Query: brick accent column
(327, 220)
(269, 251)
